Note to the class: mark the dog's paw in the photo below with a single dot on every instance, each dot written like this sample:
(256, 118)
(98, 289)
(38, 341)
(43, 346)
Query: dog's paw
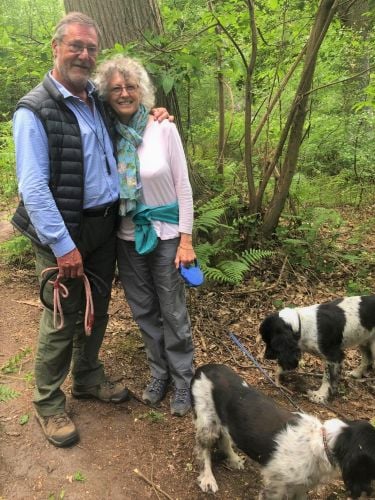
(235, 462)
(317, 396)
(207, 482)
(357, 373)
(360, 372)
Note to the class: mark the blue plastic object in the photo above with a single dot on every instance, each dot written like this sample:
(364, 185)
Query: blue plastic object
(192, 275)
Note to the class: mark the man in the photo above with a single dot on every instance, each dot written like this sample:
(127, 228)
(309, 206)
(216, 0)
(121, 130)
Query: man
(69, 193)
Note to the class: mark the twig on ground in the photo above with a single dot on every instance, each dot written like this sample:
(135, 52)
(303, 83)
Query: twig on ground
(203, 342)
(13, 377)
(30, 303)
(152, 477)
(152, 484)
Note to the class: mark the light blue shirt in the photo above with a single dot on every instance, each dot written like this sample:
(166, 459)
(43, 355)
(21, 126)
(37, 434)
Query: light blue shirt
(33, 170)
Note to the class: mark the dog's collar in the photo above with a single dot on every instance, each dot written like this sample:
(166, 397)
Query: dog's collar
(330, 456)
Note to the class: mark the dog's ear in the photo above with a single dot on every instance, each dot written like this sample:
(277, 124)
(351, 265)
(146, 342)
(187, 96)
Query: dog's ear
(355, 451)
(266, 332)
(265, 327)
(285, 344)
(358, 470)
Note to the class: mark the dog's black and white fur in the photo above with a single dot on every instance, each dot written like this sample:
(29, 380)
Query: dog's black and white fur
(296, 451)
(325, 330)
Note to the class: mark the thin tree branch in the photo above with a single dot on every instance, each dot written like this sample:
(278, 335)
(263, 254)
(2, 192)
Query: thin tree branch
(228, 35)
(353, 77)
(152, 484)
(277, 95)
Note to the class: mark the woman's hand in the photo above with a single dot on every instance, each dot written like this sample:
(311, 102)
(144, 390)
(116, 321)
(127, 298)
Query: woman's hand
(161, 114)
(185, 254)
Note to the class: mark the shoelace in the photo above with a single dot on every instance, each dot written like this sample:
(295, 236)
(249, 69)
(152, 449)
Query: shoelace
(182, 395)
(60, 290)
(108, 384)
(156, 385)
(60, 419)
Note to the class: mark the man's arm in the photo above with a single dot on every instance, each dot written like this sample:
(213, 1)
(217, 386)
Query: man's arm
(33, 172)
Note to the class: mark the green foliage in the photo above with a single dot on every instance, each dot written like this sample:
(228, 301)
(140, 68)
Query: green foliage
(12, 364)
(24, 419)
(357, 287)
(26, 29)
(60, 496)
(336, 157)
(6, 393)
(17, 252)
(152, 416)
(232, 271)
(8, 183)
(29, 377)
(79, 476)
(219, 243)
(330, 191)
(310, 239)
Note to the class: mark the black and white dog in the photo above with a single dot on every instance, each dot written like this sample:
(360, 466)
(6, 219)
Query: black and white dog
(296, 451)
(325, 330)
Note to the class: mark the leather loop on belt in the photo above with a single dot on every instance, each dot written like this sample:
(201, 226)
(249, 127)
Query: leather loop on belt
(101, 210)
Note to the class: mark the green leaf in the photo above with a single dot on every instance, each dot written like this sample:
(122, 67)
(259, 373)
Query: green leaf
(6, 393)
(24, 419)
(78, 476)
(167, 83)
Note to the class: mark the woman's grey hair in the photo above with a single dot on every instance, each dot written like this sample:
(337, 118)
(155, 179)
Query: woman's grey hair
(74, 18)
(129, 69)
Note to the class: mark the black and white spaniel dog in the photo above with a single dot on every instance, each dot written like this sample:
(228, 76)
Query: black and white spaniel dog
(325, 330)
(296, 451)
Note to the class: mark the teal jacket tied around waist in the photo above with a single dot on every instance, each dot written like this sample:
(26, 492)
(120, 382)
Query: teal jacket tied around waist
(146, 239)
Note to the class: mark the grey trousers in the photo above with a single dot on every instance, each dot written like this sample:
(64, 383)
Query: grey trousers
(58, 349)
(156, 295)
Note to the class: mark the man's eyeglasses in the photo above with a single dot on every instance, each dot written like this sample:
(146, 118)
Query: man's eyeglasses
(117, 91)
(78, 48)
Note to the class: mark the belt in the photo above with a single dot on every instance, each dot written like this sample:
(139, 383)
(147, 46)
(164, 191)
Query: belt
(101, 210)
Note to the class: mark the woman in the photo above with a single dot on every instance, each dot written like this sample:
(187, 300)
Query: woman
(154, 235)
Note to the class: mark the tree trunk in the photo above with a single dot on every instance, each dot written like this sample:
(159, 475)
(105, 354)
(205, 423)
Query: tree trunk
(296, 119)
(221, 138)
(248, 160)
(120, 21)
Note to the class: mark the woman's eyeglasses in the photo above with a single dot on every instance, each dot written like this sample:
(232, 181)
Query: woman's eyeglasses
(117, 91)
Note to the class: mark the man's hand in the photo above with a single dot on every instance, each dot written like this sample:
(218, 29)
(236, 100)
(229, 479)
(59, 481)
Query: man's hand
(70, 265)
(161, 114)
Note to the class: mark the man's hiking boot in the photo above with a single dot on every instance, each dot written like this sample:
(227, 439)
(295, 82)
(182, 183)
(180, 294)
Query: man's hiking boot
(59, 429)
(181, 402)
(155, 391)
(109, 392)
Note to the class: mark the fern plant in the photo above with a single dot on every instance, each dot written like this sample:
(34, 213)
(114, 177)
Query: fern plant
(219, 246)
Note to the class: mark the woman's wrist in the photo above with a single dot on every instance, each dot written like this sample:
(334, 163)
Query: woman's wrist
(186, 247)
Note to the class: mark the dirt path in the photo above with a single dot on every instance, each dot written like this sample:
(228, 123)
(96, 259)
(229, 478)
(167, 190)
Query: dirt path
(116, 440)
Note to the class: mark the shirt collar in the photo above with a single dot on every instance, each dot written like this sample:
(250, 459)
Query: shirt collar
(66, 93)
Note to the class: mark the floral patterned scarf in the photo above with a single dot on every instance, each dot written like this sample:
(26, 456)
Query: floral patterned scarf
(130, 137)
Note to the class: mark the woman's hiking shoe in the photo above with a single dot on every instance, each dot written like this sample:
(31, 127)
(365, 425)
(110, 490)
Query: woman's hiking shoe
(181, 402)
(59, 429)
(155, 391)
(107, 391)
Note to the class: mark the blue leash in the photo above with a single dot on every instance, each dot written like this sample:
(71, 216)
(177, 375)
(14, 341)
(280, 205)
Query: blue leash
(260, 368)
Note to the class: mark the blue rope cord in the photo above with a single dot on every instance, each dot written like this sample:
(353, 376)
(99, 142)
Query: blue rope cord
(251, 357)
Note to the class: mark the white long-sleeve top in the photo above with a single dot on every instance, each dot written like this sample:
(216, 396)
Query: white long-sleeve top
(164, 178)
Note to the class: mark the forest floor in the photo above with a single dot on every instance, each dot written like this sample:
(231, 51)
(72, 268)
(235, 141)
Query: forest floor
(130, 452)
